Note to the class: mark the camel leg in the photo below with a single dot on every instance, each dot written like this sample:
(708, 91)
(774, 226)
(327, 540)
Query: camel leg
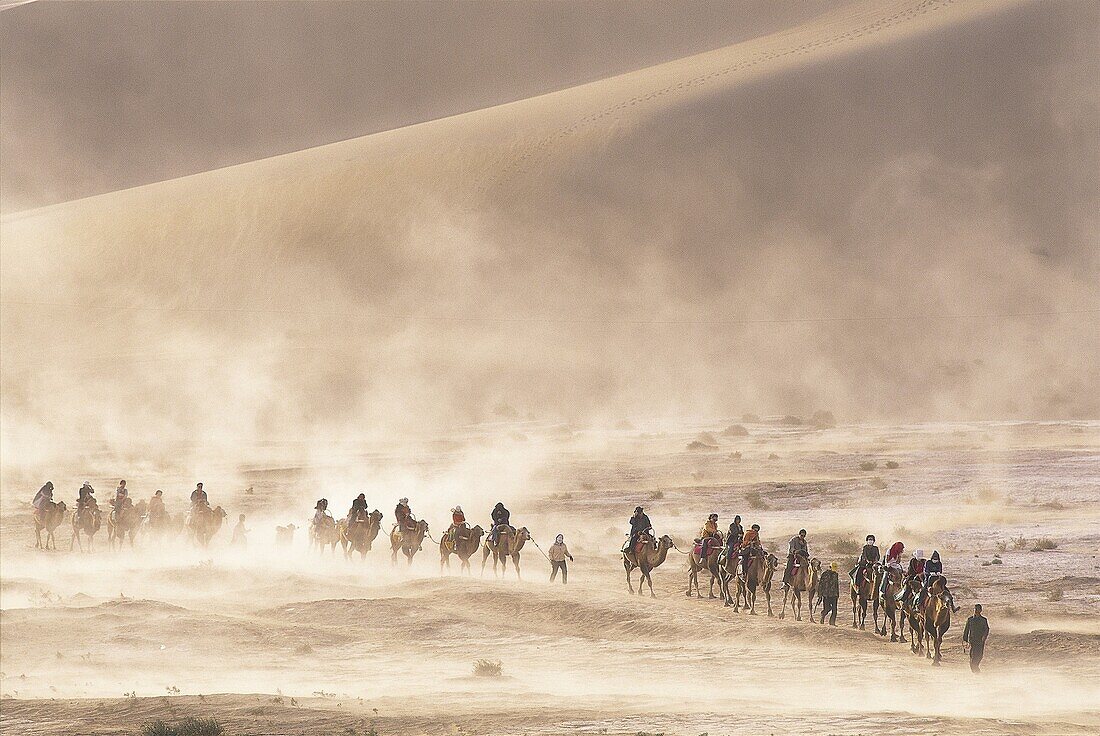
(515, 564)
(798, 600)
(626, 566)
(649, 581)
(783, 610)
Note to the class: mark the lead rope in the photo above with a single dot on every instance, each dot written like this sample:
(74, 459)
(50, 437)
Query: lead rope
(540, 550)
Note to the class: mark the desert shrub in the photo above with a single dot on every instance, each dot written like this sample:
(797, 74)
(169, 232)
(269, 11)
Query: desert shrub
(588, 486)
(892, 465)
(1044, 544)
(750, 419)
(656, 495)
(706, 438)
(791, 421)
(735, 456)
(1002, 547)
(878, 483)
(1019, 543)
(996, 561)
(1010, 612)
(506, 410)
(868, 465)
(697, 445)
(903, 531)
(845, 546)
(755, 501)
(487, 668)
(1053, 505)
(987, 494)
(772, 456)
(1055, 595)
(823, 419)
(186, 727)
(735, 430)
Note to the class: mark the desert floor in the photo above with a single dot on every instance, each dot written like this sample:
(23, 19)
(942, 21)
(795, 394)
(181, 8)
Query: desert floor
(284, 641)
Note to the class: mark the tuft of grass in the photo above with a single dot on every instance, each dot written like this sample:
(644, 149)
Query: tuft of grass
(845, 546)
(868, 465)
(1044, 544)
(892, 465)
(1019, 543)
(1002, 547)
(791, 421)
(772, 456)
(656, 495)
(735, 456)
(1055, 595)
(903, 531)
(487, 668)
(878, 483)
(755, 501)
(735, 430)
(996, 561)
(186, 727)
(750, 419)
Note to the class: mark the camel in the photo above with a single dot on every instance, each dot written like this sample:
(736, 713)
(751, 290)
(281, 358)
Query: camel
(325, 534)
(696, 564)
(359, 535)
(811, 591)
(800, 581)
(508, 545)
(936, 614)
(913, 615)
(122, 525)
(407, 541)
(729, 571)
(205, 523)
(85, 524)
(464, 546)
(862, 590)
(284, 535)
(758, 575)
(891, 611)
(650, 556)
(49, 517)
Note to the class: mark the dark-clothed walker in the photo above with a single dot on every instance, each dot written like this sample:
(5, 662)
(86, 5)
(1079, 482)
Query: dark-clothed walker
(974, 636)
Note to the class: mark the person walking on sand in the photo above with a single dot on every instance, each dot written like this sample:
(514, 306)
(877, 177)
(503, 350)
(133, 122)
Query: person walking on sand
(240, 533)
(974, 636)
(558, 554)
(828, 589)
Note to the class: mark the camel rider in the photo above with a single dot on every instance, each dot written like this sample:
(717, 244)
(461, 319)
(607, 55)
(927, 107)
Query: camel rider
(750, 547)
(458, 522)
(358, 508)
(892, 562)
(933, 568)
(501, 520)
(797, 550)
(43, 497)
(156, 506)
(915, 571)
(639, 525)
(735, 537)
(121, 494)
(198, 497)
(708, 535)
(868, 556)
(85, 498)
(404, 515)
(320, 511)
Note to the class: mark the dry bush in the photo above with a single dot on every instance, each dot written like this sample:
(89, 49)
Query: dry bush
(1002, 547)
(186, 727)
(845, 546)
(755, 501)
(791, 421)
(878, 483)
(772, 456)
(487, 668)
(656, 495)
(903, 531)
(1055, 595)
(892, 465)
(823, 419)
(697, 445)
(750, 419)
(868, 465)
(987, 494)
(1019, 543)
(735, 430)
(1044, 544)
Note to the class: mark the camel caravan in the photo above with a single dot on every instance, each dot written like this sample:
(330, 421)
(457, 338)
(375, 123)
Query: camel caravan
(740, 567)
(737, 565)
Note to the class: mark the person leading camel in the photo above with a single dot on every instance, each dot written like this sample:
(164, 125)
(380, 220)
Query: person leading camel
(869, 555)
(797, 550)
(639, 525)
(828, 589)
(558, 553)
(501, 521)
(974, 635)
(240, 533)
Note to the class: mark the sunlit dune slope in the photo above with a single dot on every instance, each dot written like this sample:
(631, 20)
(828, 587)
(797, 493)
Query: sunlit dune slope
(859, 213)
